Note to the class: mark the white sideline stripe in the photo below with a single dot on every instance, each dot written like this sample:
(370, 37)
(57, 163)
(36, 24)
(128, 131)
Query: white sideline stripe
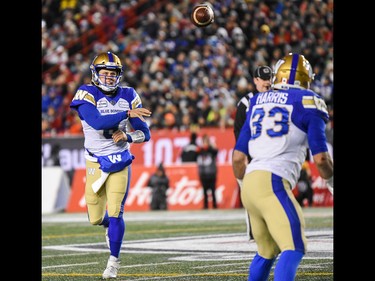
(69, 265)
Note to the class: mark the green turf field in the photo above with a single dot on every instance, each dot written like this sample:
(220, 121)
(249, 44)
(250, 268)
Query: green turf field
(208, 245)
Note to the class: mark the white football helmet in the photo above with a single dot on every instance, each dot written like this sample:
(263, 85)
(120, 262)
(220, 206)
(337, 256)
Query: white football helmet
(108, 61)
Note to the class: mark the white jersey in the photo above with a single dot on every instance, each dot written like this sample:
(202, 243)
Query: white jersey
(99, 142)
(283, 157)
(277, 124)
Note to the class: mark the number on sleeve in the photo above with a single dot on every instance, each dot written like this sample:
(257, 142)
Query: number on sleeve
(320, 104)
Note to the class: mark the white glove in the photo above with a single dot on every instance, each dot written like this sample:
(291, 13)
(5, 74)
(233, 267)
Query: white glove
(239, 183)
(329, 183)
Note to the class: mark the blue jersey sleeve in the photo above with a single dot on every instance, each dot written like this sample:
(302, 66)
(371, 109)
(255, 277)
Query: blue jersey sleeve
(84, 94)
(91, 115)
(311, 116)
(138, 124)
(316, 134)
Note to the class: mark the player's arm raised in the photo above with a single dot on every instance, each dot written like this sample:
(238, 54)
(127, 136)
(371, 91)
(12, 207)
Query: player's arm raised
(139, 112)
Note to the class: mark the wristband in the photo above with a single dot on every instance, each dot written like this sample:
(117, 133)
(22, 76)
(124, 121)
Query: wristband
(137, 136)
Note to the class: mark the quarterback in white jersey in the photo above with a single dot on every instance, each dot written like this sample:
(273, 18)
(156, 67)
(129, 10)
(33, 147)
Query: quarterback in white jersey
(105, 110)
(99, 141)
(281, 124)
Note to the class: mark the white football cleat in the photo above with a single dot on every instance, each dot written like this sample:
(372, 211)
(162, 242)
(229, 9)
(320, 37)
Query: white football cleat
(113, 265)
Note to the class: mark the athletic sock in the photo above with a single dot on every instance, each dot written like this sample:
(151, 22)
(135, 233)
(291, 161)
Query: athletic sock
(116, 232)
(286, 267)
(260, 268)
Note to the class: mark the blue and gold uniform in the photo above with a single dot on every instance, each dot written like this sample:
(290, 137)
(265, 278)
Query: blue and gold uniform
(280, 125)
(104, 109)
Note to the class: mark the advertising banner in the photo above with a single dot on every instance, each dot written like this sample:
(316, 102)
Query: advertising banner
(165, 146)
(184, 193)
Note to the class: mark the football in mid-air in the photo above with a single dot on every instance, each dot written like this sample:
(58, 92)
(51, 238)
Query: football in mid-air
(202, 15)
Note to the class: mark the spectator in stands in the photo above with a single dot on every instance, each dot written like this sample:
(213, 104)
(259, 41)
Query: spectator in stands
(159, 183)
(162, 41)
(207, 169)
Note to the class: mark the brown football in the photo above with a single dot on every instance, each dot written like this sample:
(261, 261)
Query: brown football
(202, 15)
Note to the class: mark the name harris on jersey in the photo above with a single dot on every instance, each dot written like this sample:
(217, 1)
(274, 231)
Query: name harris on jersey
(272, 97)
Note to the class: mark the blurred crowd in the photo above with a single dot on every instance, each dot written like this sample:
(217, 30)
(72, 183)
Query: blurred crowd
(187, 76)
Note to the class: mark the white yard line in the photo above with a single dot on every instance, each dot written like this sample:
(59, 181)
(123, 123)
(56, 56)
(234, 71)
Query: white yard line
(68, 265)
(213, 247)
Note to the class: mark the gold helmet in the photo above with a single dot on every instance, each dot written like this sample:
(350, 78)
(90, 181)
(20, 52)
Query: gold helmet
(108, 61)
(292, 71)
